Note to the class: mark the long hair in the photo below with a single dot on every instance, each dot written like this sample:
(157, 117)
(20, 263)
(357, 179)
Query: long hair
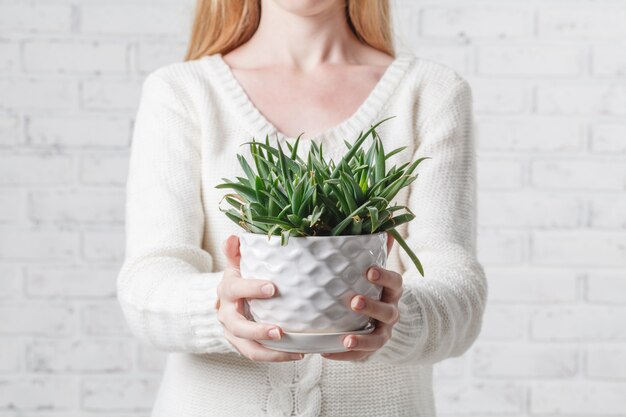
(220, 26)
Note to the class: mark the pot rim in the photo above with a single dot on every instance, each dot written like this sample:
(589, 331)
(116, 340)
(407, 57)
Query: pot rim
(361, 236)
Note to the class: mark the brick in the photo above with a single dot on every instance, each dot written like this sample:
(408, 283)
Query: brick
(10, 280)
(499, 174)
(529, 60)
(35, 169)
(581, 248)
(578, 397)
(35, 17)
(86, 131)
(470, 399)
(36, 318)
(134, 19)
(529, 134)
(606, 286)
(66, 57)
(104, 320)
(78, 205)
(38, 244)
(58, 281)
(9, 55)
(579, 323)
(474, 22)
(104, 245)
(497, 96)
(608, 211)
(11, 205)
(78, 356)
(608, 138)
(606, 362)
(110, 95)
(38, 393)
(515, 361)
(529, 284)
(9, 130)
(454, 56)
(101, 169)
(608, 174)
(451, 368)
(11, 355)
(502, 323)
(150, 359)
(600, 22)
(152, 55)
(529, 209)
(608, 59)
(36, 94)
(582, 98)
(119, 393)
(501, 247)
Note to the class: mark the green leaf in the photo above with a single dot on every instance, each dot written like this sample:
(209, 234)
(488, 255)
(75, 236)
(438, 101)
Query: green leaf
(374, 216)
(271, 220)
(247, 169)
(344, 223)
(396, 221)
(395, 151)
(295, 220)
(398, 238)
(247, 192)
(380, 160)
(284, 211)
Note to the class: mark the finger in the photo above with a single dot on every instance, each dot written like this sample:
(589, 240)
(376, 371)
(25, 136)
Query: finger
(241, 327)
(364, 345)
(257, 352)
(380, 310)
(230, 247)
(238, 287)
(392, 281)
(368, 342)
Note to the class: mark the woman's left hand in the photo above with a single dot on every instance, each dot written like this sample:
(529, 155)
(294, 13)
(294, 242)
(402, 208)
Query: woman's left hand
(384, 312)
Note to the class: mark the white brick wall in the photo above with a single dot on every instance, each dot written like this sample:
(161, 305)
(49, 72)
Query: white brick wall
(549, 84)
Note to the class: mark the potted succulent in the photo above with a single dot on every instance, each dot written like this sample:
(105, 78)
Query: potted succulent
(313, 228)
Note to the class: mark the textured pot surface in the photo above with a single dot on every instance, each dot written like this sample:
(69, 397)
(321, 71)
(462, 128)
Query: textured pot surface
(315, 276)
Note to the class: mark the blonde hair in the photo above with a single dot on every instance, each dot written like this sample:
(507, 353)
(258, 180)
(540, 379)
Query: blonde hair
(220, 26)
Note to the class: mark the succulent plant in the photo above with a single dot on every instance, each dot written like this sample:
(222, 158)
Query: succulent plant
(288, 196)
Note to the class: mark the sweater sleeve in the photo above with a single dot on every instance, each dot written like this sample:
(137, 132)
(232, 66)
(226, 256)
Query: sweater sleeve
(441, 313)
(166, 287)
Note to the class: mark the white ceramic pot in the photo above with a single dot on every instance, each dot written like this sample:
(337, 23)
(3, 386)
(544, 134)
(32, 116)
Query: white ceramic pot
(315, 276)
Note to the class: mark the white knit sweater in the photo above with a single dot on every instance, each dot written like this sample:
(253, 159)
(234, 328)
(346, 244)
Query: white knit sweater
(191, 120)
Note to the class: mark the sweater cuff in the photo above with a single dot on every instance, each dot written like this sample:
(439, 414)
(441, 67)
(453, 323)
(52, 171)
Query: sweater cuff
(207, 333)
(409, 333)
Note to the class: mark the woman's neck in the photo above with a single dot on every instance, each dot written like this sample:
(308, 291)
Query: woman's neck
(303, 41)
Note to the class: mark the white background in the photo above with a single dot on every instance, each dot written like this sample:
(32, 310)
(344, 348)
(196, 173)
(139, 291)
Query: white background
(549, 84)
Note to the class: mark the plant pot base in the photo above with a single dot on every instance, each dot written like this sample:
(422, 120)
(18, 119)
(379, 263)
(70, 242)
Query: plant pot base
(313, 342)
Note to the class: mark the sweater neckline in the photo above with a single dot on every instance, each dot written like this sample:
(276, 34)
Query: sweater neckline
(359, 121)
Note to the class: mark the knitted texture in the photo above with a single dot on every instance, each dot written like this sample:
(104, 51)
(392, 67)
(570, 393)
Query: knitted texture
(191, 120)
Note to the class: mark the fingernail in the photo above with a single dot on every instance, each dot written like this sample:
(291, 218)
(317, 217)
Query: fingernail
(358, 303)
(274, 333)
(296, 356)
(349, 342)
(374, 274)
(267, 289)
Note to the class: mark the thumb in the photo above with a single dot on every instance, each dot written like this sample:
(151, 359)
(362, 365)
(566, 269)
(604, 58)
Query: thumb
(230, 247)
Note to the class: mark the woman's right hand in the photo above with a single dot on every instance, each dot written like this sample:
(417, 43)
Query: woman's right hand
(240, 331)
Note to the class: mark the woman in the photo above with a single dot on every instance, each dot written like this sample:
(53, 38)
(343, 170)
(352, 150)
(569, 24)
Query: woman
(281, 67)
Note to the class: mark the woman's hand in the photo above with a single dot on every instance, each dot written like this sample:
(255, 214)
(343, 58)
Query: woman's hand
(385, 312)
(240, 331)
